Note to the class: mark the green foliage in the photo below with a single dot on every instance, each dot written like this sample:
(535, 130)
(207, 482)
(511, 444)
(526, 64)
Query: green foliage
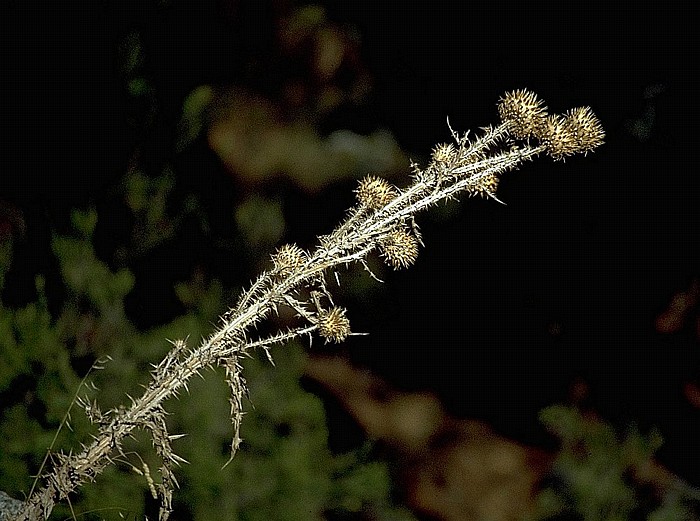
(148, 198)
(193, 112)
(132, 62)
(284, 469)
(597, 468)
(40, 356)
(35, 374)
(261, 222)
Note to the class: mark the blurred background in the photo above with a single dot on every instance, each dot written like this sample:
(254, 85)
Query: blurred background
(541, 359)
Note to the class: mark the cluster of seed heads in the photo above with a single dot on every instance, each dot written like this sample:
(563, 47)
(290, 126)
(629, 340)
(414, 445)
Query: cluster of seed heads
(381, 222)
(576, 131)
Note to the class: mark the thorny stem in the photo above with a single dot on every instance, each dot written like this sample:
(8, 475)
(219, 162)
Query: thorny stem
(471, 166)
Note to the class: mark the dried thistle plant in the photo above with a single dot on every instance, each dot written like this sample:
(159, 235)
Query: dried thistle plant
(381, 220)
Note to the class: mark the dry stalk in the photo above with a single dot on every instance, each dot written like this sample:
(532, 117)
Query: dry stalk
(382, 220)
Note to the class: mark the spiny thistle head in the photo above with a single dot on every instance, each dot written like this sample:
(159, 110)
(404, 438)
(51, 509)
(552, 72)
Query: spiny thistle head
(585, 128)
(288, 258)
(578, 131)
(523, 112)
(486, 185)
(375, 192)
(399, 249)
(557, 138)
(333, 325)
(443, 153)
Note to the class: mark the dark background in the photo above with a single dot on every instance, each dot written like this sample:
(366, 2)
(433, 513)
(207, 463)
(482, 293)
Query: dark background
(507, 307)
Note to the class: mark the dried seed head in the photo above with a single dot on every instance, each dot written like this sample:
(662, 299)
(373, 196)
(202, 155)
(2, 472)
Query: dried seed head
(399, 249)
(523, 112)
(486, 185)
(375, 192)
(557, 137)
(333, 325)
(585, 128)
(443, 153)
(288, 258)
